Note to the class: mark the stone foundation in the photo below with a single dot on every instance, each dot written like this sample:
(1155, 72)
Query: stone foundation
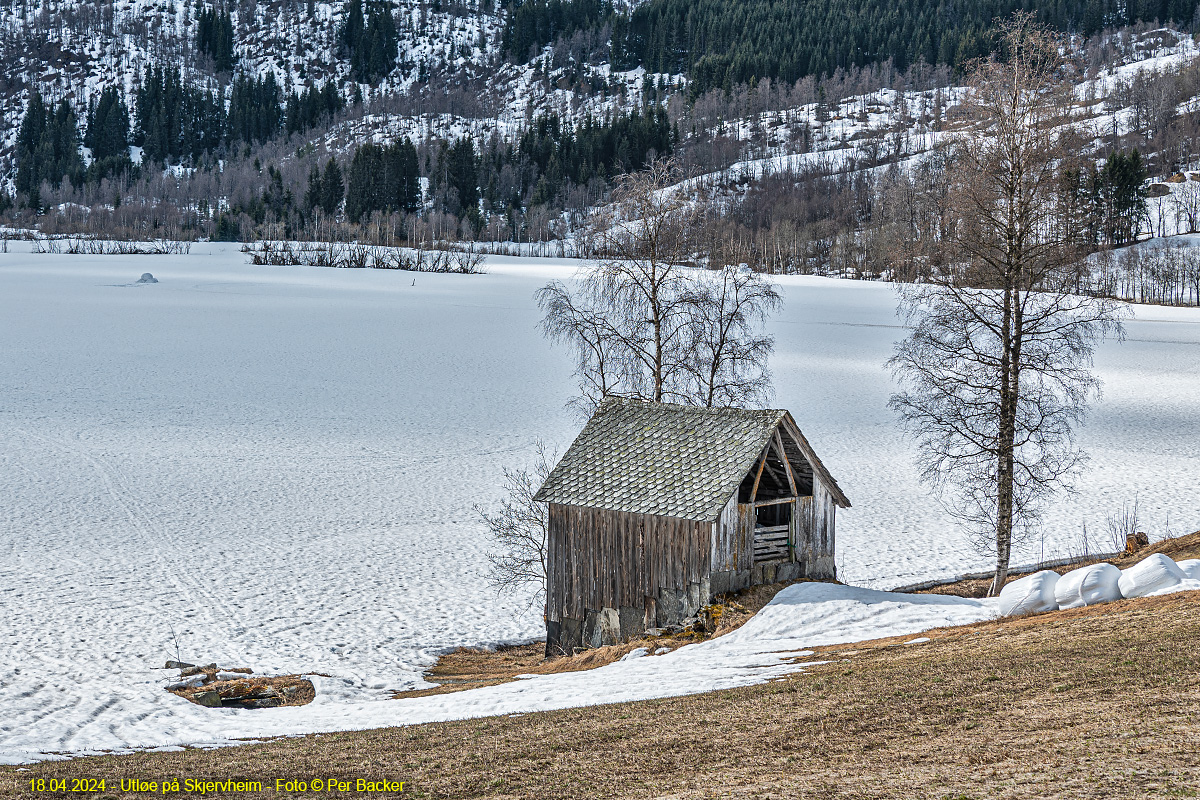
(608, 626)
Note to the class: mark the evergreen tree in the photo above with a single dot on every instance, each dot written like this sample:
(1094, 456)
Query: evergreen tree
(214, 36)
(383, 179)
(312, 194)
(254, 110)
(369, 42)
(173, 120)
(407, 176)
(1123, 195)
(29, 142)
(332, 188)
(462, 175)
(305, 110)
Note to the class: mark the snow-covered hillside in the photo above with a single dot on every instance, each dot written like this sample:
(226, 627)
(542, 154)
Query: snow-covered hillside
(276, 467)
(73, 50)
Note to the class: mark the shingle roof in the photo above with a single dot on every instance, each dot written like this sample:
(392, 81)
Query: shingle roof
(658, 458)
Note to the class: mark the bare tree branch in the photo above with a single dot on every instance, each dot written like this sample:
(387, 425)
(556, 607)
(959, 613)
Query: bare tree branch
(518, 529)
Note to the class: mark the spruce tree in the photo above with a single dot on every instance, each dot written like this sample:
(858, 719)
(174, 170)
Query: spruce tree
(29, 140)
(312, 194)
(332, 188)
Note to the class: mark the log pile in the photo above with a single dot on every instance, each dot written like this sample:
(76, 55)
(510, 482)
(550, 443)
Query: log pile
(238, 687)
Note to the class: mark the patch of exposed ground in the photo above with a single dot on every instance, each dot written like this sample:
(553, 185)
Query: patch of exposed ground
(238, 687)
(252, 691)
(1100, 702)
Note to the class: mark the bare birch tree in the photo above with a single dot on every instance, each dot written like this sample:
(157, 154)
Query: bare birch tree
(728, 352)
(518, 529)
(996, 369)
(644, 321)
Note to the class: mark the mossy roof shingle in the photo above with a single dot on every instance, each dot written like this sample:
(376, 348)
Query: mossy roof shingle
(659, 458)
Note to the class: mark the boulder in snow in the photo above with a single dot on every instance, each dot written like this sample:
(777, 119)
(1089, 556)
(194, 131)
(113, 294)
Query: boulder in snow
(1150, 575)
(1190, 567)
(1030, 594)
(147, 278)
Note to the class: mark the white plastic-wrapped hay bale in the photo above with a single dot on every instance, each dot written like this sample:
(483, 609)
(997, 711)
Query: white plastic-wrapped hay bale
(1150, 575)
(1190, 567)
(1088, 586)
(1066, 588)
(1101, 584)
(1030, 594)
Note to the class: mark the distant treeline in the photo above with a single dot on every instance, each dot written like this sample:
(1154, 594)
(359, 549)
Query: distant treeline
(468, 180)
(720, 44)
(367, 40)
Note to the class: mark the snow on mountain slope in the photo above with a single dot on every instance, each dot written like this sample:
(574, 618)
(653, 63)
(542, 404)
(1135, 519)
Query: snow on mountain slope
(73, 50)
(276, 467)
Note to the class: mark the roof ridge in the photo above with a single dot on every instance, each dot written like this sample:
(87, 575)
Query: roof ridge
(730, 410)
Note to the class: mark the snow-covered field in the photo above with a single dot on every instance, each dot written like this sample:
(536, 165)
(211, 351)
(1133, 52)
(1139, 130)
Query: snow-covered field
(276, 467)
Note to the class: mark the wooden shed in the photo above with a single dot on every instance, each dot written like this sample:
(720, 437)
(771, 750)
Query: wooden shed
(657, 508)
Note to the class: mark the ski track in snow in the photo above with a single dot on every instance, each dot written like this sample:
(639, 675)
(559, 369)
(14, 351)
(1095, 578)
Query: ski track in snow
(276, 467)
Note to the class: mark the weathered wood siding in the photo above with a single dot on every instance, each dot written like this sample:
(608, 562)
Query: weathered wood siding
(600, 559)
(821, 562)
(731, 546)
(802, 530)
(824, 509)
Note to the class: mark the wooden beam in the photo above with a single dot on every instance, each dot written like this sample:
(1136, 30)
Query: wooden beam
(776, 502)
(787, 465)
(780, 480)
(819, 471)
(762, 462)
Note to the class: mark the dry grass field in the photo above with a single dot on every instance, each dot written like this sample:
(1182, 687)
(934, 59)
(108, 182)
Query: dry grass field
(1102, 702)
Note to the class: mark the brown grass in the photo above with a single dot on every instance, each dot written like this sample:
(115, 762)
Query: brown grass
(1100, 702)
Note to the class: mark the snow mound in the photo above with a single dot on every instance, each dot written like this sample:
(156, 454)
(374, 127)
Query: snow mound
(1088, 586)
(1030, 594)
(1152, 574)
(1190, 567)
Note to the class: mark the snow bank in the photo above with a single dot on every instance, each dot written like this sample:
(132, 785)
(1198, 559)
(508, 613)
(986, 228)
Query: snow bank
(1151, 575)
(1087, 586)
(1030, 594)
